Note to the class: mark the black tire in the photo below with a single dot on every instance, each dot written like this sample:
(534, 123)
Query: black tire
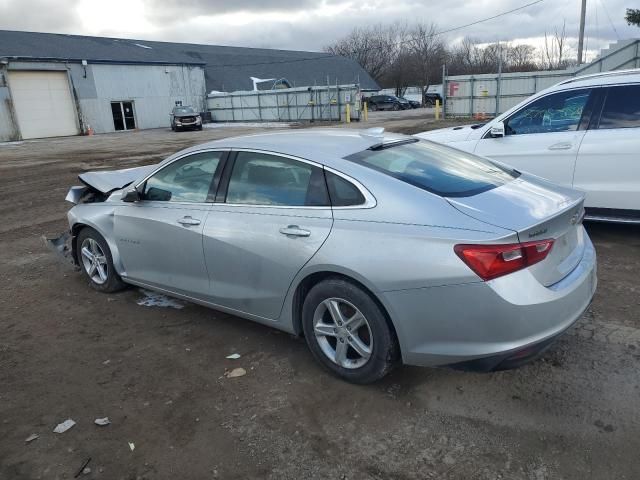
(113, 282)
(385, 351)
(396, 107)
(373, 107)
(200, 128)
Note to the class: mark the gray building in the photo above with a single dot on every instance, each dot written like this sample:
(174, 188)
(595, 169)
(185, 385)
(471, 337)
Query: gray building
(56, 85)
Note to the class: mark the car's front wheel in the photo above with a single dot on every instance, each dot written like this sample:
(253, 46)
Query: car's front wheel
(347, 331)
(94, 257)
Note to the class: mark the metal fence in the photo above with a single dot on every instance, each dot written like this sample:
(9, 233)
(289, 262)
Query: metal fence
(326, 103)
(492, 94)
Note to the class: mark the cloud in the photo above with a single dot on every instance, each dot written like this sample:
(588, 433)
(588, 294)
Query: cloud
(310, 24)
(40, 16)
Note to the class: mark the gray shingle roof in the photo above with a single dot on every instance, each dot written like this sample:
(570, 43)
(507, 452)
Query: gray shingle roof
(226, 68)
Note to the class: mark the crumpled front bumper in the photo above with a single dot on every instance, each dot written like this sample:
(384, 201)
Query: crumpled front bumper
(62, 247)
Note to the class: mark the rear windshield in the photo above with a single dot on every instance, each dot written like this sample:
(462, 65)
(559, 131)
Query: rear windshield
(436, 168)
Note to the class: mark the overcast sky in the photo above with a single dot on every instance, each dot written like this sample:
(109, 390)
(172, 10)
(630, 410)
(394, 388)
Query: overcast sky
(310, 24)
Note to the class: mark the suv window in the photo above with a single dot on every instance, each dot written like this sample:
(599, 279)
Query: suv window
(182, 110)
(342, 192)
(558, 112)
(263, 179)
(185, 180)
(439, 169)
(621, 108)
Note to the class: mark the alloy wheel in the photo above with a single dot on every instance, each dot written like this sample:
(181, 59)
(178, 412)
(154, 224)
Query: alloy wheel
(343, 333)
(94, 261)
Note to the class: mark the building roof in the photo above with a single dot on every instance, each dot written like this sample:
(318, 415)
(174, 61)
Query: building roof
(226, 68)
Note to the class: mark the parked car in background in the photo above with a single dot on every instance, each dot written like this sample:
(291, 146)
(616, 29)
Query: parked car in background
(185, 118)
(430, 99)
(384, 102)
(410, 103)
(583, 132)
(466, 262)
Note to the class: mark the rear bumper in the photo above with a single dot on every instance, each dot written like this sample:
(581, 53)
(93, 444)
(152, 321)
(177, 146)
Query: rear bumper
(497, 324)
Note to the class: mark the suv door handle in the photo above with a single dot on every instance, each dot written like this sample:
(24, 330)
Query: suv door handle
(188, 221)
(561, 146)
(295, 230)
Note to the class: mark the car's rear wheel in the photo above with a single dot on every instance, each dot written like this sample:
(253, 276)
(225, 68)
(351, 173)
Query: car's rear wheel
(94, 257)
(373, 107)
(396, 107)
(347, 331)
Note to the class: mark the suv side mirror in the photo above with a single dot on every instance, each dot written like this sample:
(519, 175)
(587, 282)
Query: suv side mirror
(132, 195)
(497, 130)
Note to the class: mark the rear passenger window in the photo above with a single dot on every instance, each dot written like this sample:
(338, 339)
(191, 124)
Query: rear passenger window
(621, 108)
(342, 192)
(263, 179)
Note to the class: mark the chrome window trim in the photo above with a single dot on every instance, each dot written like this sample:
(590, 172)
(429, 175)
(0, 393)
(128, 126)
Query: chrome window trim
(504, 118)
(370, 200)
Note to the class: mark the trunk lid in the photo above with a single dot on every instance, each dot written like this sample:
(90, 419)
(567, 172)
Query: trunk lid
(535, 210)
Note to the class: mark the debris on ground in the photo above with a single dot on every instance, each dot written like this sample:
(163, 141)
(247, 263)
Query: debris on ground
(132, 446)
(106, 362)
(233, 356)
(31, 438)
(102, 421)
(236, 372)
(64, 426)
(84, 469)
(154, 299)
(61, 247)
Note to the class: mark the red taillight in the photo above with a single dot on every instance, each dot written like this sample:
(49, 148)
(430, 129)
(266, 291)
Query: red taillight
(492, 261)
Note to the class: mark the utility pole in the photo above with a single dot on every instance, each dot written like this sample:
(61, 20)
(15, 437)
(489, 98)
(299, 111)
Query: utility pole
(583, 13)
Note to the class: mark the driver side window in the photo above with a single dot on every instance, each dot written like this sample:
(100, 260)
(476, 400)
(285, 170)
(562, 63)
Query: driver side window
(185, 180)
(558, 112)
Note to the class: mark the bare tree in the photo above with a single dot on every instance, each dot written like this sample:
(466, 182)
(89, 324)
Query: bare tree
(554, 49)
(520, 58)
(429, 52)
(373, 47)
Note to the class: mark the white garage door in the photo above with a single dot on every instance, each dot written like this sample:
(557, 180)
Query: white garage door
(43, 104)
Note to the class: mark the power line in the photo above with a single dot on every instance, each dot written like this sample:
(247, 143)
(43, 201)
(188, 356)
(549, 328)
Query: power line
(606, 10)
(442, 32)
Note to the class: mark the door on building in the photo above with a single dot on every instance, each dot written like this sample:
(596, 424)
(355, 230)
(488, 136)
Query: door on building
(123, 115)
(43, 104)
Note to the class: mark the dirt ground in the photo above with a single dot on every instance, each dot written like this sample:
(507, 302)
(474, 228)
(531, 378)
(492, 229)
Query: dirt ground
(157, 373)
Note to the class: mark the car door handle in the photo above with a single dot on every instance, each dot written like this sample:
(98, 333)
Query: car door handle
(295, 230)
(188, 221)
(561, 146)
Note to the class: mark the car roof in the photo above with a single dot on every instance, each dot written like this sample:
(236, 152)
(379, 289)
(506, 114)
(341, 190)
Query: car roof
(601, 79)
(327, 146)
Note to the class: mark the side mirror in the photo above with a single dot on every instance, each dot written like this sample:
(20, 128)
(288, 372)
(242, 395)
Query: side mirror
(132, 195)
(497, 130)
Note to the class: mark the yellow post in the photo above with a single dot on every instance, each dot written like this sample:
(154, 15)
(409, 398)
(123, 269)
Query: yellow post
(366, 111)
(437, 109)
(348, 113)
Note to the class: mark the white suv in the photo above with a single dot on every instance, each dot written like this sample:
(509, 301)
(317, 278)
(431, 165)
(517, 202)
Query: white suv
(583, 132)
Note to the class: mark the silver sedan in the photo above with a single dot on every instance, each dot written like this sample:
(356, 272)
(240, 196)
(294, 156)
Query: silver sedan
(380, 249)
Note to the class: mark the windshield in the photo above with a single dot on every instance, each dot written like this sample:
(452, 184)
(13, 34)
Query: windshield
(184, 110)
(436, 168)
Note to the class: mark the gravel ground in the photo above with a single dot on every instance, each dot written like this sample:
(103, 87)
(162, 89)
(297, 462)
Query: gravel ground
(158, 373)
